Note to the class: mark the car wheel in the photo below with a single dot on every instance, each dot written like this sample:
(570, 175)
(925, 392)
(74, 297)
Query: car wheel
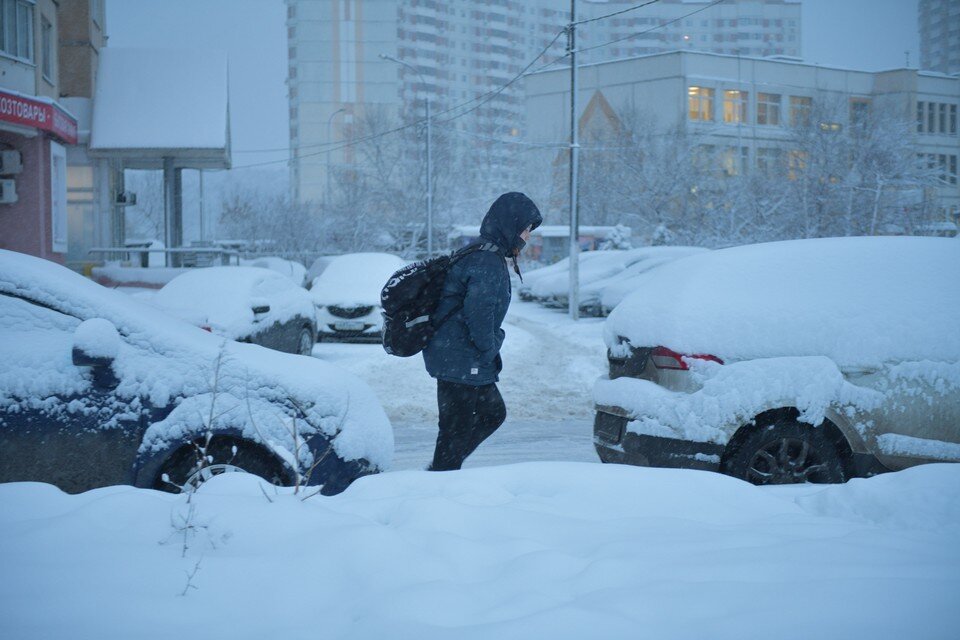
(786, 452)
(187, 468)
(305, 342)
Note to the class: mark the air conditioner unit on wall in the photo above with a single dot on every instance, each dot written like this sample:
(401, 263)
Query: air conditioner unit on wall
(126, 198)
(11, 163)
(8, 191)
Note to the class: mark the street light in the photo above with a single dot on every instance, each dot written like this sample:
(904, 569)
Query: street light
(429, 154)
(330, 142)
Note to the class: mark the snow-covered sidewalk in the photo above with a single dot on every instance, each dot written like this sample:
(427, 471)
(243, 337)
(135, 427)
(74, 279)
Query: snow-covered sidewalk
(550, 365)
(538, 550)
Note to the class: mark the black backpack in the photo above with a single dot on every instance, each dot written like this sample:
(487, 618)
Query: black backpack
(410, 298)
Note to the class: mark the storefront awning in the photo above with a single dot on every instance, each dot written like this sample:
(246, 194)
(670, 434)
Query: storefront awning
(152, 104)
(28, 113)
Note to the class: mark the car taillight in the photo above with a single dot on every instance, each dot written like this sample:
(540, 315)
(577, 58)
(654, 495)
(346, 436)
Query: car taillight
(664, 358)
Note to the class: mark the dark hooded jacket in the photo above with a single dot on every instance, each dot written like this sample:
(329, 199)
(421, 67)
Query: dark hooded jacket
(466, 348)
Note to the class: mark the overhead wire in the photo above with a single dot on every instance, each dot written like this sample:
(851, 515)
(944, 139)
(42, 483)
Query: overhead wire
(615, 13)
(483, 98)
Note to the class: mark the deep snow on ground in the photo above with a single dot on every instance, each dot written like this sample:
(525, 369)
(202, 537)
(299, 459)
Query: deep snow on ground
(538, 550)
(550, 365)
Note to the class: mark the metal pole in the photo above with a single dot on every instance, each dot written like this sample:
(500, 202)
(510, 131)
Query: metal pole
(574, 295)
(329, 193)
(429, 185)
(201, 206)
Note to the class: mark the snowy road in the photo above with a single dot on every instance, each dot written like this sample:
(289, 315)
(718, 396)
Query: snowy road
(550, 364)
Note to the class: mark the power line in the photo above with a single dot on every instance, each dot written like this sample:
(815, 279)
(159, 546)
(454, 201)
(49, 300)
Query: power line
(615, 13)
(483, 98)
(640, 33)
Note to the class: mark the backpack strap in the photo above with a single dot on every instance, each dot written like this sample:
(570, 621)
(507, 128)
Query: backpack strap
(456, 255)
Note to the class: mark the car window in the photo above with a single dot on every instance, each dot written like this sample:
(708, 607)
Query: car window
(36, 350)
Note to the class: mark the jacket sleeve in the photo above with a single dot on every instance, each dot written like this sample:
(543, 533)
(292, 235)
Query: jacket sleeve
(479, 307)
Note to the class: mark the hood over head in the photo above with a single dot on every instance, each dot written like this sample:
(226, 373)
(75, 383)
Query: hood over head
(508, 216)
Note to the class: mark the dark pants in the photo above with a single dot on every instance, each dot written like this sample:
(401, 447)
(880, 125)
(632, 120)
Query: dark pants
(468, 415)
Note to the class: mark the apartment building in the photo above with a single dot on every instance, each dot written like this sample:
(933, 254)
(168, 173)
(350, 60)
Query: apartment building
(747, 105)
(940, 35)
(459, 51)
(36, 131)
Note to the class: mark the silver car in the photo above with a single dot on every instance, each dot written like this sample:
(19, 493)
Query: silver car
(800, 361)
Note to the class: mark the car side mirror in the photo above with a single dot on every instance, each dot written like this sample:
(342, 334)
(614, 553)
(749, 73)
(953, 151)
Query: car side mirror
(96, 343)
(260, 308)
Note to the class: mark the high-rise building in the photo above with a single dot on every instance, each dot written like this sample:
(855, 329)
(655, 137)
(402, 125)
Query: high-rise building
(940, 35)
(458, 51)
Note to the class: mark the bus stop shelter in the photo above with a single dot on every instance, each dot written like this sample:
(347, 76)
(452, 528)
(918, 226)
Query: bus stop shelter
(165, 110)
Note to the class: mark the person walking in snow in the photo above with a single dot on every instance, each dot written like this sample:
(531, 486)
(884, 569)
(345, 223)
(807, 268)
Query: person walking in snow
(464, 353)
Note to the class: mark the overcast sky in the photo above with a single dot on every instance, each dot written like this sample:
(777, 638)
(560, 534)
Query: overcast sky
(863, 34)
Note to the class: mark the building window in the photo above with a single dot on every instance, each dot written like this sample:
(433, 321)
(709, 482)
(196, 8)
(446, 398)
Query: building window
(931, 117)
(16, 29)
(733, 165)
(953, 119)
(46, 46)
(796, 163)
(920, 105)
(859, 110)
(943, 117)
(768, 160)
(701, 103)
(735, 106)
(768, 108)
(800, 107)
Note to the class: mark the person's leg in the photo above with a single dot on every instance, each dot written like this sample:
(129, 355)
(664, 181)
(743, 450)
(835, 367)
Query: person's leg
(490, 414)
(458, 408)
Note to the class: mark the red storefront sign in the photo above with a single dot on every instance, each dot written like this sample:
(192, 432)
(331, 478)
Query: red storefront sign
(17, 109)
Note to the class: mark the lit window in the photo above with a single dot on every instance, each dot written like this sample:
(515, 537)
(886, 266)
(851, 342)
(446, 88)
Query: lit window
(800, 107)
(735, 106)
(701, 103)
(796, 163)
(768, 108)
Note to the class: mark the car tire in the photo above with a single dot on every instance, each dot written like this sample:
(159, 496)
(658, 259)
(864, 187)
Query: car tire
(786, 452)
(305, 342)
(184, 473)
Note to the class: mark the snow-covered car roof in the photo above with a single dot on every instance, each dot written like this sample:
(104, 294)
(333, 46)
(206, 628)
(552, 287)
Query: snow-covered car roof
(614, 289)
(354, 279)
(593, 266)
(163, 358)
(289, 268)
(224, 297)
(860, 301)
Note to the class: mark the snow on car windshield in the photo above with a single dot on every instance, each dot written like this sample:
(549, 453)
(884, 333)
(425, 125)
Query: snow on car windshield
(355, 279)
(225, 297)
(858, 301)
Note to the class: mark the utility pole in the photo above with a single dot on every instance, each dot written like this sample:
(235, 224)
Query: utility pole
(574, 295)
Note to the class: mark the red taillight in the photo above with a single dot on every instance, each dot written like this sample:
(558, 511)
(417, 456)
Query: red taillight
(664, 358)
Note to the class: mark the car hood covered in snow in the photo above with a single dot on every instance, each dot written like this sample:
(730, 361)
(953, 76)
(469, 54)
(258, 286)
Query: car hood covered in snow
(354, 279)
(164, 359)
(859, 301)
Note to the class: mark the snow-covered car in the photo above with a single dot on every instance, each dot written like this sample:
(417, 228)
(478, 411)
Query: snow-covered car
(807, 360)
(592, 293)
(246, 304)
(347, 296)
(316, 268)
(296, 272)
(99, 389)
(544, 285)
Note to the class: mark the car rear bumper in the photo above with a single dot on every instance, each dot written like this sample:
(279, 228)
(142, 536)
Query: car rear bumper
(615, 443)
